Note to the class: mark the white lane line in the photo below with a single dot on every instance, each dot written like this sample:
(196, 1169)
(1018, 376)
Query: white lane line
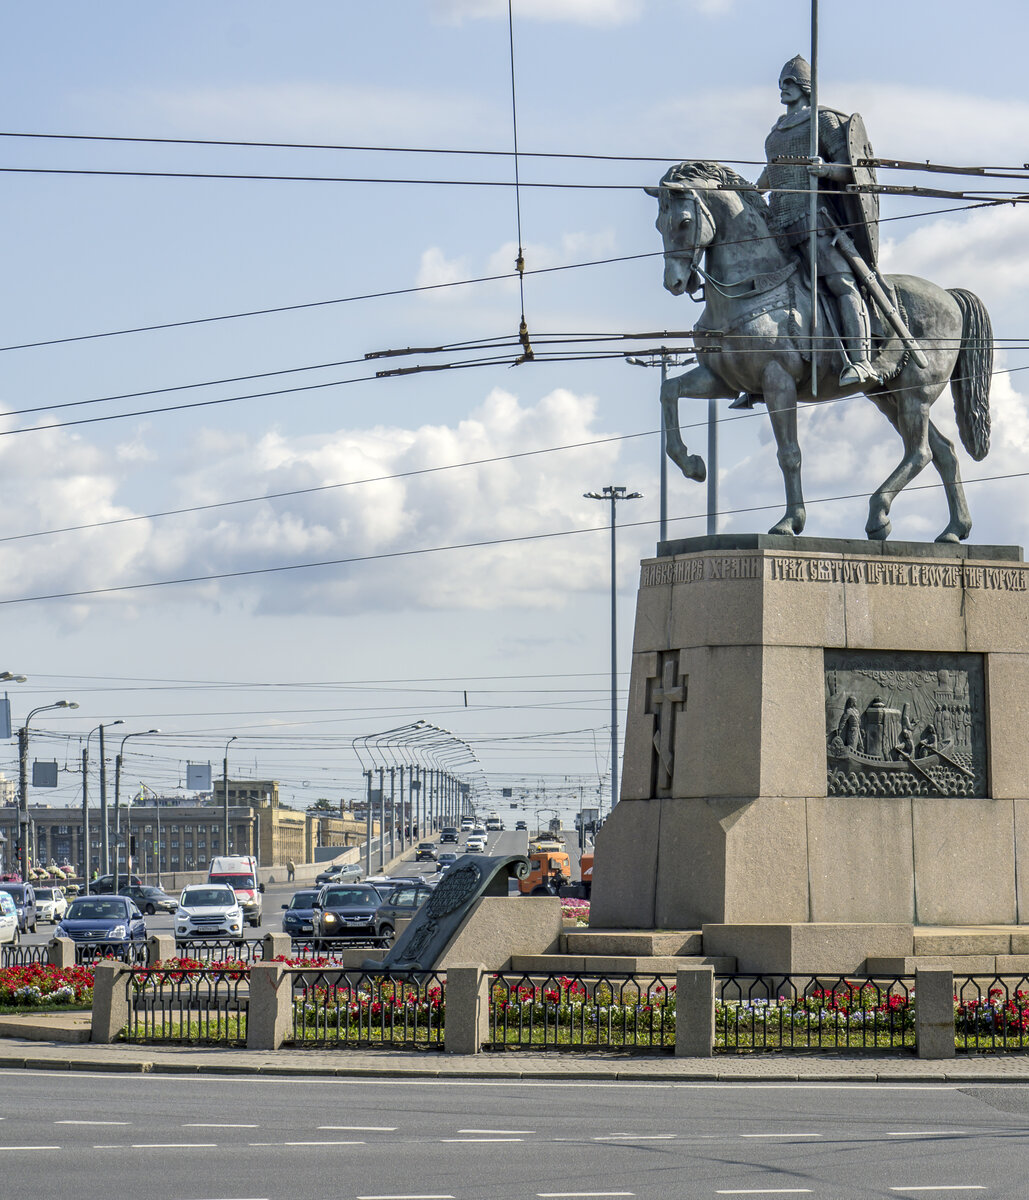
(174, 1146)
(215, 1125)
(927, 1132)
(30, 1147)
(467, 1141)
(363, 1128)
(311, 1143)
(92, 1122)
(763, 1192)
(504, 1131)
(419, 1196)
(773, 1135)
(636, 1137)
(943, 1187)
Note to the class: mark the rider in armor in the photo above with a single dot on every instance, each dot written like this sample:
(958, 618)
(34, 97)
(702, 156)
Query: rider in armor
(791, 136)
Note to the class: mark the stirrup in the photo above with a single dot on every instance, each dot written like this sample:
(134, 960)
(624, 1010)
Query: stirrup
(859, 372)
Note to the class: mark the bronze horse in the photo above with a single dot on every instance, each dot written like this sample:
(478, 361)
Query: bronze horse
(758, 308)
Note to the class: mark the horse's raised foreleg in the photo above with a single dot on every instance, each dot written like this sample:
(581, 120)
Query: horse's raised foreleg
(697, 384)
(910, 416)
(780, 393)
(946, 462)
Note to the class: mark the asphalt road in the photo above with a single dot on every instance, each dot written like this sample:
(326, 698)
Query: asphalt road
(276, 894)
(217, 1138)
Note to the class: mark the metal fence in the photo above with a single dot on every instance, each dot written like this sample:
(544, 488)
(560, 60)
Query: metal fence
(991, 1013)
(17, 954)
(333, 948)
(582, 1012)
(814, 1012)
(249, 950)
(88, 953)
(203, 1005)
(397, 1009)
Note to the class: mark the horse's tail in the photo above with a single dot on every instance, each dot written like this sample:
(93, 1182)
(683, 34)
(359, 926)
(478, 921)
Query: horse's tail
(970, 379)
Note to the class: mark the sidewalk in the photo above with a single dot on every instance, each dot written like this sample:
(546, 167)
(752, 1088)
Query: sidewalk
(24, 1044)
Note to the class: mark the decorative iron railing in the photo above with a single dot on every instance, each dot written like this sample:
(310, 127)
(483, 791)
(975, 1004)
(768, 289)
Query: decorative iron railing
(991, 1013)
(18, 954)
(87, 953)
(187, 1005)
(398, 1009)
(248, 950)
(573, 1011)
(814, 1012)
(332, 948)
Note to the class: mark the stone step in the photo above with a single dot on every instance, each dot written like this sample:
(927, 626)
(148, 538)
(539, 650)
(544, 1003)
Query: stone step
(642, 964)
(1002, 939)
(960, 964)
(660, 942)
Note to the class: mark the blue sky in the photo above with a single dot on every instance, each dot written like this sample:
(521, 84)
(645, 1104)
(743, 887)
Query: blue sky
(289, 661)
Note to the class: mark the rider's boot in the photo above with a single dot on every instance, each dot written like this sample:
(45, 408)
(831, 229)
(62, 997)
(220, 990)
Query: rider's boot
(857, 332)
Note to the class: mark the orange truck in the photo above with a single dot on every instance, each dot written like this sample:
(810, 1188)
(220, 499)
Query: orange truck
(549, 869)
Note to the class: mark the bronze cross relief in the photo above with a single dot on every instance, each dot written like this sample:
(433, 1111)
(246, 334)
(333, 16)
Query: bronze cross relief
(666, 694)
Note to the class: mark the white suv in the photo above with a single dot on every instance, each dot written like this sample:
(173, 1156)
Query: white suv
(50, 904)
(208, 910)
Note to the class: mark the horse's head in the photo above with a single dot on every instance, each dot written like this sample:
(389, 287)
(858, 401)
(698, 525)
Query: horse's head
(687, 228)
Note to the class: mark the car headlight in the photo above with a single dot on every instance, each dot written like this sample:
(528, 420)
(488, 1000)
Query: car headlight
(328, 918)
(60, 931)
(118, 931)
(181, 914)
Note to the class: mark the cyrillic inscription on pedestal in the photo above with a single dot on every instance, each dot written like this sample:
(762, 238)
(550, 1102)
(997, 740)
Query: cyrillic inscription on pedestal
(905, 724)
(666, 694)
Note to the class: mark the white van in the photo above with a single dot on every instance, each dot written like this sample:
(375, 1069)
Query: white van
(239, 872)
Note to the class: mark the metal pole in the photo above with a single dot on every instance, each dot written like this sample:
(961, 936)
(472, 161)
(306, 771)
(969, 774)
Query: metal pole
(614, 658)
(117, 813)
(663, 506)
(157, 855)
(368, 827)
(813, 201)
(23, 799)
(382, 820)
(225, 797)
(712, 467)
(85, 814)
(403, 814)
(392, 813)
(105, 859)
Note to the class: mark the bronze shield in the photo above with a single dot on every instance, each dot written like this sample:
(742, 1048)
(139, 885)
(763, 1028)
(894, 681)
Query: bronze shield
(862, 207)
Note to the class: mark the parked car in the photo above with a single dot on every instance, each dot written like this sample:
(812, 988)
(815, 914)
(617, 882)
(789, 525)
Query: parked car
(24, 897)
(298, 917)
(449, 834)
(150, 900)
(208, 910)
(426, 852)
(111, 922)
(9, 931)
(402, 902)
(476, 843)
(348, 911)
(51, 904)
(446, 861)
(340, 873)
(104, 884)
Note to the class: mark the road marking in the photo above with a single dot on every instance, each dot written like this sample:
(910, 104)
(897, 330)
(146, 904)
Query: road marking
(363, 1128)
(508, 1131)
(471, 1140)
(767, 1135)
(943, 1187)
(210, 1125)
(764, 1192)
(926, 1132)
(30, 1147)
(635, 1137)
(310, 1143)
(92, 1122)
(174, 1145)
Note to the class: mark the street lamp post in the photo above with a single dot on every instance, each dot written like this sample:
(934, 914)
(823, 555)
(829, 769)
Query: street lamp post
(23, 776)
(105, 846)
(117, 796)
(225, 795)
(613, 494)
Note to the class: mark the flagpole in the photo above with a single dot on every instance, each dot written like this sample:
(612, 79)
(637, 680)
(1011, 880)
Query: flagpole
(813, 201)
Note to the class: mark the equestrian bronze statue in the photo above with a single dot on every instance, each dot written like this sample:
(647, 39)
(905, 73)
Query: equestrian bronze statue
(897, 339)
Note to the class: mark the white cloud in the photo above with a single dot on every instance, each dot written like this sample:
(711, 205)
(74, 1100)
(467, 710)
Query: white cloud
(578, 12)
(436, 269)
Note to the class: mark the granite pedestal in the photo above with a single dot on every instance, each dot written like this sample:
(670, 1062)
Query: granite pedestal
(782, 763)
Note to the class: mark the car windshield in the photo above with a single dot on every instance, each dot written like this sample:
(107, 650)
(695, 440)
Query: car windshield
(14, 890)
(206, 897)
(44, 893)
(303, 899)
(336, 897)
(237, 881)
(90, 909)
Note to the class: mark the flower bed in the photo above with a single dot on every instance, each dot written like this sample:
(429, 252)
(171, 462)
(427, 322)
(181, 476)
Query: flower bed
(40, 985)
(577, 910)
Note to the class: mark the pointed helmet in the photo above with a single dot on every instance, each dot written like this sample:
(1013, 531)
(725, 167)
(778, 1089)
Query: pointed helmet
(799, 70)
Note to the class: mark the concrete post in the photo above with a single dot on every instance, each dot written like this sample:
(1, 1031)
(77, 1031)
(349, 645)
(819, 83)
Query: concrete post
(934, 1013)
(468, 1009)
(270, 1014)
(110, 1002)
(60, 952)
(159, 948)
(276, 944)
(695, 1012)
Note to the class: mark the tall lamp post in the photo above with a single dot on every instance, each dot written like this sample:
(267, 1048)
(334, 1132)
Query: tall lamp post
(23, 777)
(85, 800)
(117, 795)
(105, 841)
(612, 494)
(225, 795)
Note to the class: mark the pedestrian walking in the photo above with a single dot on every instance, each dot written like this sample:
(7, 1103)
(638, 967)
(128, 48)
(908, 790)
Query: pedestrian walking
(291, 870)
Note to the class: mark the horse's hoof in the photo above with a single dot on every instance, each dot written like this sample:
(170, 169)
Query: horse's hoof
(953, 536)
(880, 532)
(785, 527)
(694, 468)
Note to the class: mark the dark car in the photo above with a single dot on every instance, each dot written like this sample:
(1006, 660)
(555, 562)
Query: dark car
(113, 923)
(450, 834)
(343, 873)
(298, 918)
(426, 852)
(348, 911)
(104, 885)
(24, 898)
(403, 902)
(446, 861)
(521, 825)
(149, 900)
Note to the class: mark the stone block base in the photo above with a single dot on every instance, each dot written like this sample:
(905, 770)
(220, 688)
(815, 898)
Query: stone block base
(806, 948)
